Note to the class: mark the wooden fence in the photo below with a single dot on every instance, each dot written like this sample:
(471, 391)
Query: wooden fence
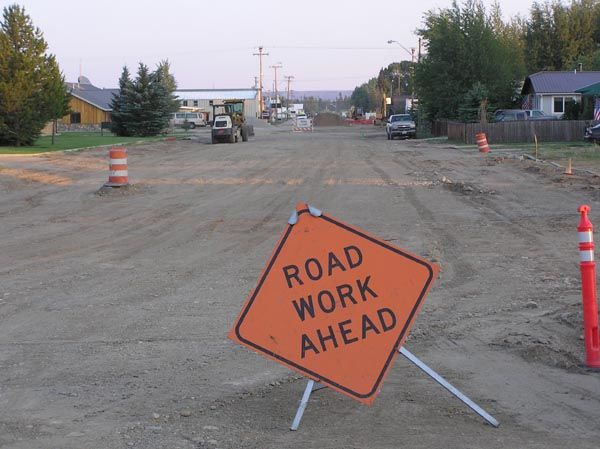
(520, 131)
(439, 128)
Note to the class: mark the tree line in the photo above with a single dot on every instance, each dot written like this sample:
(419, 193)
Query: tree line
(475, 61)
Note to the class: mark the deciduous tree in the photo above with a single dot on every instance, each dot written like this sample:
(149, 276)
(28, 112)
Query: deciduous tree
(465, 46)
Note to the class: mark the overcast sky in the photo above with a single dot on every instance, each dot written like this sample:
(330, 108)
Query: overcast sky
(324, 44)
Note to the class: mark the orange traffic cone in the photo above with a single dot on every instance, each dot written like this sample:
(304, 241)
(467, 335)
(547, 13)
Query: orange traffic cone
(482, 143)
(118, 175)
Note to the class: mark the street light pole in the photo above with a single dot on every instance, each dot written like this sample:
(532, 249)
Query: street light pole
(412, 69)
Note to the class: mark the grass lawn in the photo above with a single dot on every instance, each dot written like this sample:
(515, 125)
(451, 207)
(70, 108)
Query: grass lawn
(73, 140)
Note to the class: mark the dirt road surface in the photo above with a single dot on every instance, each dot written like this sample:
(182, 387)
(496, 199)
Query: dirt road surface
(115, 305)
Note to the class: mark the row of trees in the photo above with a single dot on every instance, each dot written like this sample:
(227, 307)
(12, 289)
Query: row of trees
(314, 105)
(395, 79)
(475, 61)
(560, 37)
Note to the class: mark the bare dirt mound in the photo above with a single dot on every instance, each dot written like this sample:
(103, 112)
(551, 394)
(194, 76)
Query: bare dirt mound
(328, 119)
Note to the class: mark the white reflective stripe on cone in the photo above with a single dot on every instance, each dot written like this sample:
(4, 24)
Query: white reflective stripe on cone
(585, 237)
(118, 161)
(586, 256)
(118, 173)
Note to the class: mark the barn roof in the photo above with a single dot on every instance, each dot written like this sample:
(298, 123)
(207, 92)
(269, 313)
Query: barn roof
(100, 98)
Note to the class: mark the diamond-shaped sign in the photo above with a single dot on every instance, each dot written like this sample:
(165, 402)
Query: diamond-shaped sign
(334, 304)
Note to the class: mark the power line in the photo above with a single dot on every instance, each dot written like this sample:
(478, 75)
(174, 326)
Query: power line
(318, 47)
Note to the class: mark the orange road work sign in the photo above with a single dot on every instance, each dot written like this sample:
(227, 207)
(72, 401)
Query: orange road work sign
(335, 304)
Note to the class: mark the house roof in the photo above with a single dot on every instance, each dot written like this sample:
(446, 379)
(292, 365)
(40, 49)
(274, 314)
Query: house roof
(101, 98)
(558, 82)
(216, 94)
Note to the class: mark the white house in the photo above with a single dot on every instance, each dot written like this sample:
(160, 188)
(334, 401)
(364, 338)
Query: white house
(549, 91)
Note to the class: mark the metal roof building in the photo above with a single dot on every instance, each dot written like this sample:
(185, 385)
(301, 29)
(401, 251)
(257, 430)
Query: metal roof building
(90, 105)
(201, 98)
(549, 91)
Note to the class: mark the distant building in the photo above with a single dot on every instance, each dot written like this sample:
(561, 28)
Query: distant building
(549, 91)
(201, 98)
(90, 105)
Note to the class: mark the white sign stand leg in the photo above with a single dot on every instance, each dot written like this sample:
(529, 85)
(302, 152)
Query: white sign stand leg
(415, 360)
(444, 383)
(302, 406)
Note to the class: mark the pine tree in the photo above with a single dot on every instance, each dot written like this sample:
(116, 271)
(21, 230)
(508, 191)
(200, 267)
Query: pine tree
(120, 114)
(31, 86)
(143, 106)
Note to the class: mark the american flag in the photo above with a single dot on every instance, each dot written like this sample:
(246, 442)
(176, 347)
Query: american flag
(526, 104)
(597, 109)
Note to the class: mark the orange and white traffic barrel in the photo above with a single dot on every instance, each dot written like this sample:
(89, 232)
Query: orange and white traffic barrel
(587, 265)
(482, 143)
(117, 168)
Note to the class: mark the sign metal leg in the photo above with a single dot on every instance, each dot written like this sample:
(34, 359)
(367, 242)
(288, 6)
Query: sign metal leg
(307, 391)
(440, 380)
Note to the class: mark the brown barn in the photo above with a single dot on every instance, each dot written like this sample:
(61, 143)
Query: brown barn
(90, 105)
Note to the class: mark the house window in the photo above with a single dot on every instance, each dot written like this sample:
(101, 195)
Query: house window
(196, 103)
(559, 104)
(184, 103)
(76, 117)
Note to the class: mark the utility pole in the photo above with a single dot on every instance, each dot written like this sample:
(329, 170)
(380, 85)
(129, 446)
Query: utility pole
(412, 67)
(289, 80)
(275, 67)
(260, 54)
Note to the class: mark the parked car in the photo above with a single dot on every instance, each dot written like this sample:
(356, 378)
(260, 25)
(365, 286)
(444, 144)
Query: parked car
(592, 134)
(400, 125)
(538, 114)
(510, 115)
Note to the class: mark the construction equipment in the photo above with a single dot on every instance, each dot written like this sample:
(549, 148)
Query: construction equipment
(229, 122)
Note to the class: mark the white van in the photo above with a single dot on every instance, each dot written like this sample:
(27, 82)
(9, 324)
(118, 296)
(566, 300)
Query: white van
(193, 118)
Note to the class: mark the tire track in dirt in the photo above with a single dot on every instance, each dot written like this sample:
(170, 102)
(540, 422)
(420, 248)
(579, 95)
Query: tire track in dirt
(462, 270)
